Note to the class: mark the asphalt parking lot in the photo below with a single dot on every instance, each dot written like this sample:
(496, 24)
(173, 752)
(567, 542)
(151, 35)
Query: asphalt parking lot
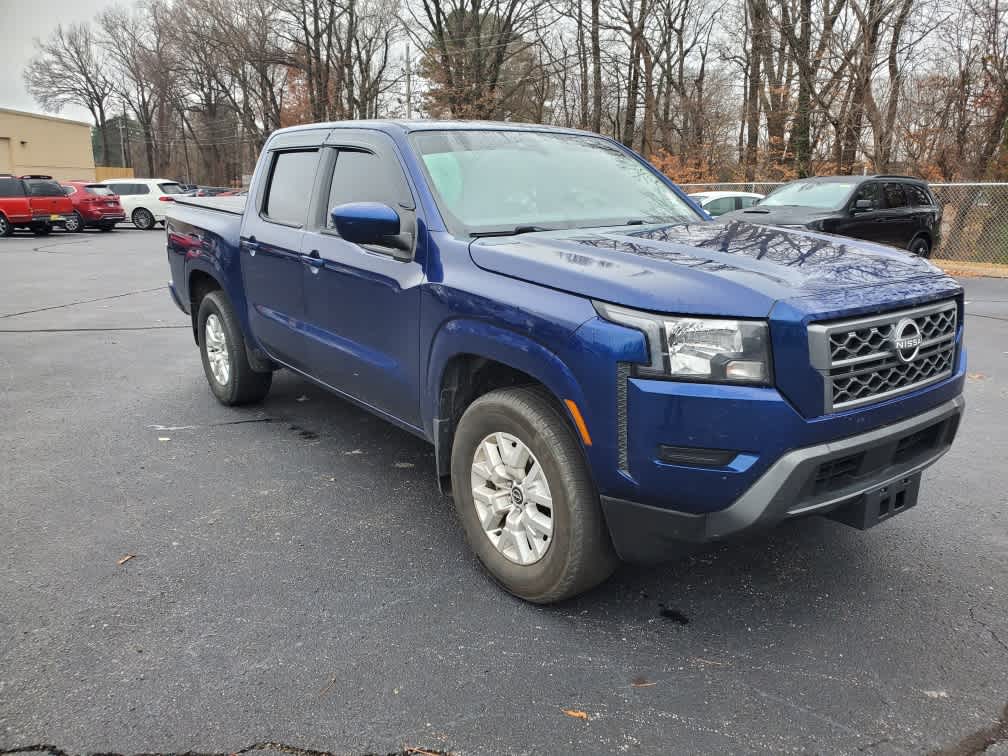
(298, 579)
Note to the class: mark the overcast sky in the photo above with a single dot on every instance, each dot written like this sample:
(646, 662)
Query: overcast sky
(23, 21)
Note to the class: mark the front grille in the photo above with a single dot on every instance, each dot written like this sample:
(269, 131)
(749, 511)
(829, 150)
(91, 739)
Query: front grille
(860, 362)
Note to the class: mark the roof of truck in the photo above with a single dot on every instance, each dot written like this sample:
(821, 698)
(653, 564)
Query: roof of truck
(404, 125)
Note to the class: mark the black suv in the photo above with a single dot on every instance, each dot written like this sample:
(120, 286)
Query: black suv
(896, 210)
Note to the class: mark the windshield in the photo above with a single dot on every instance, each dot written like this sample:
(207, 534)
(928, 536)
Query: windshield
(824, 195)
(500, 181)
(100, 189)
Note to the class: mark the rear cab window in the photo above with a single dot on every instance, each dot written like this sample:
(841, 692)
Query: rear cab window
(292, 178)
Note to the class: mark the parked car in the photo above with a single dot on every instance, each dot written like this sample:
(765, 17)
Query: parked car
(603, 372)
(95, 206)
(211, 191)
(719, 203)
(34, 202)
(897, 210)
(145, 200)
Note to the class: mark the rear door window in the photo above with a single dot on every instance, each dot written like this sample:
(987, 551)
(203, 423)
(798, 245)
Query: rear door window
(917, 195)
(894, 196)
(11, 187)
(292, 178)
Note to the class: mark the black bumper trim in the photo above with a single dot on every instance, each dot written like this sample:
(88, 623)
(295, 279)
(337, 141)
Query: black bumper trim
(643, 533)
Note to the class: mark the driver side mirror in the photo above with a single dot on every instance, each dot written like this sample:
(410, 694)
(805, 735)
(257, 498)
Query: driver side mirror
(370, 223)
(863, 205)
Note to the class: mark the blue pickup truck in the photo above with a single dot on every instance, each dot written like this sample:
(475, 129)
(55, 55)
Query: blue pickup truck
(605, 373)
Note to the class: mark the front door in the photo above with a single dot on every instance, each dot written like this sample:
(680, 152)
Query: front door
(271, 264)
(863, 223)
(363, 302)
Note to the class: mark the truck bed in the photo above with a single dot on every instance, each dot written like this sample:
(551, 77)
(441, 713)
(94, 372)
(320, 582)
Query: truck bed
(232, 205)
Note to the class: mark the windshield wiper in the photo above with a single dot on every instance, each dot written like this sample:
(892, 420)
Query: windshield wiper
(512, 232)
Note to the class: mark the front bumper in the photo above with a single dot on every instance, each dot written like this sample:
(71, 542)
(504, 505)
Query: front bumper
(820, 479)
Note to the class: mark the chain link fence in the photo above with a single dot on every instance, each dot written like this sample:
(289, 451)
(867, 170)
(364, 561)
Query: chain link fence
(974, 217)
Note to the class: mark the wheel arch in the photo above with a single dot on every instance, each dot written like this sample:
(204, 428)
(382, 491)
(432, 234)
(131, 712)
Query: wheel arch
(470, 358)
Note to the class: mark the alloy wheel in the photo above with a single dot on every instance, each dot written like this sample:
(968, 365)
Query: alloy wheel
(217, 349)
(512, 498)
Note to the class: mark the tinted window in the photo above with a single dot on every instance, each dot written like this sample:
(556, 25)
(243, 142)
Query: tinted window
(894, 196)
(11, 187)
(870, 192)
(720, 206)
(100, 189)
(170, 188)
(68, 190)
(290, 187)
(366, 177)
(917, 195)
(126, 189)
(748, 201)
(43, 188)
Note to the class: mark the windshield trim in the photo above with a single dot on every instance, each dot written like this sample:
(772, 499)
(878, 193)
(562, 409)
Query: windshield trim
(457, 228)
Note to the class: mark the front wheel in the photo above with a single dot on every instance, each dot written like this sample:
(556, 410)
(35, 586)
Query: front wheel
(74, 223)
(920, 247)
(526, 500)
(222, 346)
(143, 219)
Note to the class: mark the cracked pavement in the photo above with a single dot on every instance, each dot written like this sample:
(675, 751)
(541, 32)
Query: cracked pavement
(298, 579)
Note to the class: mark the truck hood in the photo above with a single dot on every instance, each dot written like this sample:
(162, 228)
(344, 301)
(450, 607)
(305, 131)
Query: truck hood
(736, 269)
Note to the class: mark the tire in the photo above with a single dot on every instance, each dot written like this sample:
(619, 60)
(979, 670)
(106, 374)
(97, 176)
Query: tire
(920, 247)
(6, 227)
(143, 219)
(42, 229)
(74, 223)
(241, 384)
(578, 553)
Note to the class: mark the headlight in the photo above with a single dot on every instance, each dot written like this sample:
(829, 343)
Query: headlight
(699, 349)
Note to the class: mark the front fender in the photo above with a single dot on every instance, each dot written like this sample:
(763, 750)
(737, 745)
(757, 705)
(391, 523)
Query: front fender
(464, 336)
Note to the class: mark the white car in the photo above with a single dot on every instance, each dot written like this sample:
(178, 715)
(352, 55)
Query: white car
(145, 200)
(719, 203)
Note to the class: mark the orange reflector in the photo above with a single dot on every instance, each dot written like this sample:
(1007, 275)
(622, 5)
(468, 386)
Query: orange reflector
(579, 421)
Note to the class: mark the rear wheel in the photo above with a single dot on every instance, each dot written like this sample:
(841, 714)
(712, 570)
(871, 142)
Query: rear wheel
(526, 500)
(143, 219)
(222, 346)
(74, 223)
(6, 228)
(920, 247)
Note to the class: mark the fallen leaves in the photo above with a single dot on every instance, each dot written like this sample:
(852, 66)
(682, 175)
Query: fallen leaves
(125, 559)
(976, 376)
(642, 682)
(576, 714)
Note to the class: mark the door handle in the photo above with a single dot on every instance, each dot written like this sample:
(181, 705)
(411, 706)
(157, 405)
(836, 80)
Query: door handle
(313, 260)
(250, 244)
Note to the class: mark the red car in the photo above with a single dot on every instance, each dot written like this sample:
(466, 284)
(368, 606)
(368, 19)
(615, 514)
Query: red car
(94, 206)
(34, 202)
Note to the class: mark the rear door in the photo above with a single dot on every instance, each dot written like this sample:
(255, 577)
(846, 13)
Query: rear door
(363, 302)
(898, 219)
(13, 201)
(48, 200)
(271, 237)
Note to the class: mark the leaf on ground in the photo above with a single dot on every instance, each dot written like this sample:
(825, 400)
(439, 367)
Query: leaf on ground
(302, 398)
(404, 464)
(976, 376)
(125, 559)
(164, 438)
(576, 714)
(642, 682)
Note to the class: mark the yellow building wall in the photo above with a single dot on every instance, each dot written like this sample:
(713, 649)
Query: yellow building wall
(56, 147)
(105, 172)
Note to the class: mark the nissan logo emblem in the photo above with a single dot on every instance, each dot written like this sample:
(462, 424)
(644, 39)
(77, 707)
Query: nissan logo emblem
(906, 339)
